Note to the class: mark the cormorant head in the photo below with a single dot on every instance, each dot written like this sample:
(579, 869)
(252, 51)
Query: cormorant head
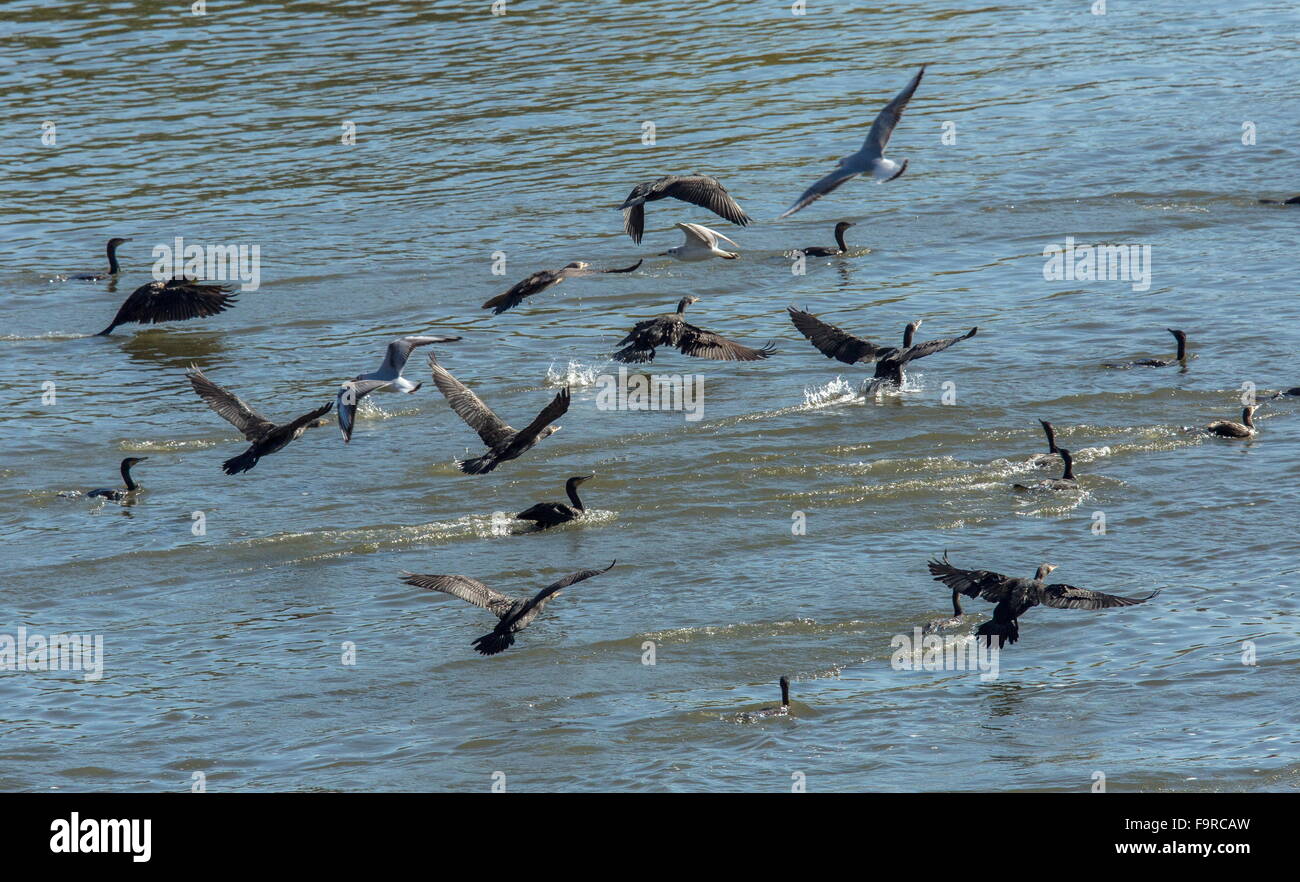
(116, 241)
(785, 691)
(316, 424)
(548, 432)
(579, 479)
(686, 301)
(132, 460)
(1044, 571)
(1178, 335)
(843, 225)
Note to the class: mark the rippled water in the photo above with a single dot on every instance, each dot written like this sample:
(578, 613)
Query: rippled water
(522, 134)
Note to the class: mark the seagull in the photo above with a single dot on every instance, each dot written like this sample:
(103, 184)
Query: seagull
(388, 378)
(700, 190)
(503, 441)
(871, 157)
(174, 300)
(670, 329)
(1014, 597)
(543, 279)
(701, 244)
(266, 436)
(113, 267)
(515, 613)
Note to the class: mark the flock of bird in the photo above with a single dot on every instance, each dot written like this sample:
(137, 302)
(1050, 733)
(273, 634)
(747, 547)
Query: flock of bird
(183, 298)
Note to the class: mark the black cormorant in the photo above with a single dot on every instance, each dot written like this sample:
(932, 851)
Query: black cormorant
(503, 441)
(1015, 596)
(1294, 200)
(175, 300)
(1229, 429)
(113, 267)
(1046, 459)
(772, 710)
(1065, 482)
(671, 329)
(942, 624)
(515, 614)
(551, 514)
(543, 279)
(701, 190)
(1180, 358)
(844, 347)
(266, 436)
(131, 486)
(824, 251)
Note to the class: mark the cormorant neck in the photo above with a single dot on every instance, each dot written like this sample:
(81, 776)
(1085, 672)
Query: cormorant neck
(112, 259)
(1069, 468)
(908, 333)
(682, 304)
(1051, 438)
(571, 487)
(839, 239)
(785, 693)
(1246, 418)
(1182, 349)
(956, 603)
(126, 476)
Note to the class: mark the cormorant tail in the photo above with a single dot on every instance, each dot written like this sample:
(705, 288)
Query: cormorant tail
(241, 463)
(479, 465)
(1008, 632)
(491, 644)
(107, 331)
(632, 355)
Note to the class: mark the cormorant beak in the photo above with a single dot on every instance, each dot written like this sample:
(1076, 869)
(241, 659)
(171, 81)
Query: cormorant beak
(582, 478)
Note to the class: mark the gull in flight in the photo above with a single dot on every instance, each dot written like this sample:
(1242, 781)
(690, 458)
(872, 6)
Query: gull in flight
(871, 157)
(388, 379)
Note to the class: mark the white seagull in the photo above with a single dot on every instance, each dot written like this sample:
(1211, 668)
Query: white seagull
(871, 157)
(701, 244)
(388, 378)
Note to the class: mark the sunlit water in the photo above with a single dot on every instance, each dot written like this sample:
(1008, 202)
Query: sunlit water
(521, 134)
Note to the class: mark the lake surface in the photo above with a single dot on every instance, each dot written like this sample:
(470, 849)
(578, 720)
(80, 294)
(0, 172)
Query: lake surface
(521, 134)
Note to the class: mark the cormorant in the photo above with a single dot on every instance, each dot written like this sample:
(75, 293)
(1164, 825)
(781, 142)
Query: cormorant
(772, 710)
(543, 279)
(701, 243)
(1015, 596)
(1229, 429)
(388, 378)
(671, 329)
(1293, 392)
(870, 158)
(701, 190)
(1180, 358)
(824, 251)
(1046, 459)
(1294, 200)
(113, 267)
(1065, 482)
(503, 441)
(131, 486)
(935, 625)
(515, 614)
(266, 436)
(551, 514)
(175, 300)
(844, 347)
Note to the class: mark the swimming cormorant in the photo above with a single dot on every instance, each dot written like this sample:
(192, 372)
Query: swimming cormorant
(503, 442)
(388, 378)
(266, 436)
(1046, 459)
(113, 267)
(543, 279)
(1293, 392)
(941, 624)
(131, 486)
(175, 300)
(702, 190)
(671, 329)
(772, 710)
(515, 614)
(701, 244)
(1015, 596)
(870, 158)
(844, 347)
(1065, 482)
(840, 246)
(1180, 358)
(1294, 200)
(1229, 429)
(551, 514)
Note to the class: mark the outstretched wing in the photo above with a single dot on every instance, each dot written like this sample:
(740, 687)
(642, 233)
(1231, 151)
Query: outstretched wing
(400, 350)
(469, 407)
(229, 407)
(921, 350)
(706, 344)
(553, 411)
(349, 396)
(821, 188)
(833, 342)
(1069, 597)
(538, 281)
(173, 301)
(883, 127)
(708, 192)
(634, 220)
(986, 584)
(571, 579)
(309, 417)
(703, 235)
(465, 588)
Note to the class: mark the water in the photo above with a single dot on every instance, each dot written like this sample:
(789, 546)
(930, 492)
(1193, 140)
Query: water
(522, 134)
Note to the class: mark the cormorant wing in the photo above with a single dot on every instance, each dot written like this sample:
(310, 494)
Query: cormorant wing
(400, 350)
(634, 220)
(349, 396)
(466, 589)
(881, 130)
(921, 350)
(571, 579)
(708, 192)
(833, 342)
(542, 510)
(175, 300)
(1068, 597)
(309, 417)
(527, 435)
(469, 407)
(706, 344)
(823, 186)
(229, 406)
(991, 586)
(538, 281)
